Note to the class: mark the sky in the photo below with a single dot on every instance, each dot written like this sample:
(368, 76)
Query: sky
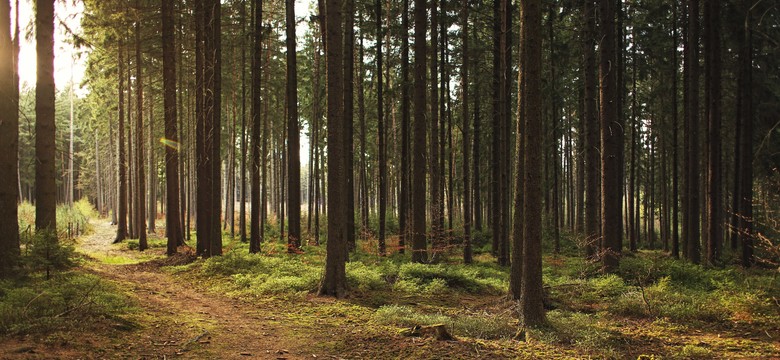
(68, 63)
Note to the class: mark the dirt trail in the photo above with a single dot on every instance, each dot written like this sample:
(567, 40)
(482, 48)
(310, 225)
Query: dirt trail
(179, 320)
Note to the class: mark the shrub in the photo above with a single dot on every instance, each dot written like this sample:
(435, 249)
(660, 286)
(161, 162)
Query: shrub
(68, 298)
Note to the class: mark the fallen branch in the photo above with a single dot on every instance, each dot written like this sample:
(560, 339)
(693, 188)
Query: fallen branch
(194, 340)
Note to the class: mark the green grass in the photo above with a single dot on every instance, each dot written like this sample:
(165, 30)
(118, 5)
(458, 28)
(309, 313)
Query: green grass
(67, 299)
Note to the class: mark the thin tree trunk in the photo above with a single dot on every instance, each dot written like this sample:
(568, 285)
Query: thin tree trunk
(173, 147)
(9, 142)
(404, 211)
(611, 141)
(140, 189)
(468, 256)
(419, 243)
(590, 116)
(692, 135)
(381, 130)
(293, 137)
(45, 186)
(121, 229)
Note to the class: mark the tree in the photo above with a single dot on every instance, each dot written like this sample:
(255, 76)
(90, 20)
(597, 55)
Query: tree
(381, 130)
(691, 222)
(255, 236)
(531, 303)
(293, 137)
(611, 140)
(121, 229)
(419, 243)
(140, 189)
(9, 145)
(403, 203)
(334, 281)
(712, 78)
(590, 117)
(172, 219)
(45, 186)
(464, 77)
(349, 115)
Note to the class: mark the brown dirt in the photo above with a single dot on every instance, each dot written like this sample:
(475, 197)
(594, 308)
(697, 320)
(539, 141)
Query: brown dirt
(176, 320)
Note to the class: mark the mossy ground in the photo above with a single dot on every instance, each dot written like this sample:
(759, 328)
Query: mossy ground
(265, 305)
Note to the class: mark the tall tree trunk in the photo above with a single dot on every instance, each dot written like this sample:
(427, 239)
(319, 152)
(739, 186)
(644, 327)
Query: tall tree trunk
(9, 144)
(203, 200)
(531, 303)
(255, 236)
(712, 100)
(436, 236)
(140, 189)
(556, 188)
(293, 136)
(45, 187)
(349, 115)
(464, 78)
(518, 240)
(404, 211)
(477, 188)
(381, 130)
(419, 243)
(675, 138)
(152, 189)
(244, 150)
(173, 147)
(364, 229)
(334, 281)
(692, 135)
(746, 143)
(121, 229)
(590, 116)
(611, 140)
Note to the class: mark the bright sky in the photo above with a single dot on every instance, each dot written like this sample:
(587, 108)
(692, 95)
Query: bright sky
(65, 66)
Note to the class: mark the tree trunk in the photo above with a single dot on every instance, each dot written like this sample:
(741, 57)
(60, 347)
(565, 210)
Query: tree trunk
(692, 134)
(121, 229)
(419, 243)
(140, 189)
(255, 236)
(464, 78)
(45, 187)
(173, 147)
(334, 281)
(592, 170)
(381, 129)
(531, 303)
(9, 143)
(404, 211)
(611, 141)
(436, 237)
(349, 115)
(712, 100)
(293, 137)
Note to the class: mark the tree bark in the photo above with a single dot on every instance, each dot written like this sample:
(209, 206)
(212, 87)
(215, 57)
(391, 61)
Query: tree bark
(712, 100)
(334, 281)
(293, 136)
(468, 256)
(140, 189)
(9, 144)
(531, 302)
(592, 130)
(611, 141)
(45, 187)
(381, 130)
(404, 212)
(172, 150)
(692, 135)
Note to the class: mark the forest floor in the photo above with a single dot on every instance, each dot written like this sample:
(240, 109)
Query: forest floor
(173, 318)
(248, 306)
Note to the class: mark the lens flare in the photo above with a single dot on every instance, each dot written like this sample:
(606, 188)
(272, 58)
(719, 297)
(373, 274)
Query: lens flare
(170, 143)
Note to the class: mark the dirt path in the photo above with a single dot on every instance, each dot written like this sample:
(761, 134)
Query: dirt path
(178, 320)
